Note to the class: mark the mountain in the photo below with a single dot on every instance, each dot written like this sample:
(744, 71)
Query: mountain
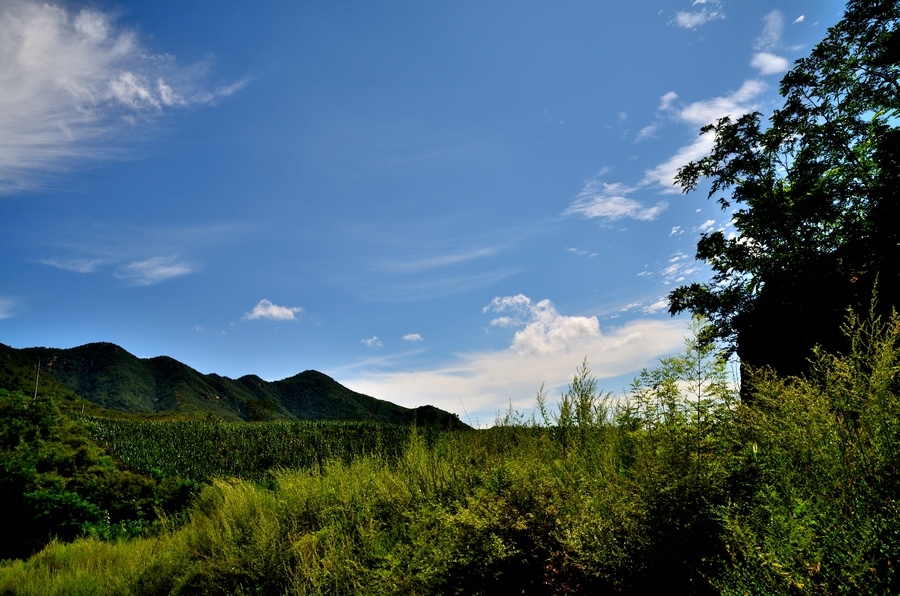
(108, 376)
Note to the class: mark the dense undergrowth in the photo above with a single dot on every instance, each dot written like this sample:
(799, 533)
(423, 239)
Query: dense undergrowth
(676, 487)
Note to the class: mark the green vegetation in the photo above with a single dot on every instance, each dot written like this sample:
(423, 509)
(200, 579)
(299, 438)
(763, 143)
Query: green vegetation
(215, 449)
(676, 487)
(812, 195)
(54, 481)
(115, 381)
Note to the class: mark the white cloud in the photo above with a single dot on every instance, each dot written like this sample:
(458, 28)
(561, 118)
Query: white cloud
(773, 27)
(698, 114)
(706, 226)
(736, 103)
(676, 231)
(665, 102)
(609, 201)
(72, 84)
(443, 260)
(545, 351)
(413, 337)
(545, 330)
(74, 265)
(372, 342)
(678, 268)
(768, 63)
(799, 19)
(6, 307)
(265, 309)
(698, 18)
(580, 252)
(153, 270)
(658, 306)
(646, 132)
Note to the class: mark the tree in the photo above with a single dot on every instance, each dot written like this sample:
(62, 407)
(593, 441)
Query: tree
(815, 199)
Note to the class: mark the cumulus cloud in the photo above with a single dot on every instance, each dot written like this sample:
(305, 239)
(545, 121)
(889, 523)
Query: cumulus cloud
(372, 342)
(265, 309)
(153, 270)
(73, 83)
(545, 330)
(545, 350)
(610, 201)
(413, 337)
(736, 103)
(767, 63)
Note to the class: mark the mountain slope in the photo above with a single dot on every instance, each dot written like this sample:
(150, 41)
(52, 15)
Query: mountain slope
(109, 376)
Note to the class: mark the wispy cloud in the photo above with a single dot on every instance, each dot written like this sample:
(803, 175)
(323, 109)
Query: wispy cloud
(6, 307)
(580, 252)
(773, 27)
(610, 201)
(372, 342)
(765, 60)
(426, 287)
(442, 260)
(75, 265)
(659, 306)
(647, 132)
(710, 10)
(666, 101)
(122, 250)
(72, 84)
(154, 270)
(265, 309)
(413, 337)
(678, 268)
(546, 348)
(706, 226)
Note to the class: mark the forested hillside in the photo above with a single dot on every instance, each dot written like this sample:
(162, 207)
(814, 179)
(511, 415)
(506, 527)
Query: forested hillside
(108, 376)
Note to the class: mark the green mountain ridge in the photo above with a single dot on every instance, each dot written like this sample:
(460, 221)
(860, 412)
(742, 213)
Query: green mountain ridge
(109, 376)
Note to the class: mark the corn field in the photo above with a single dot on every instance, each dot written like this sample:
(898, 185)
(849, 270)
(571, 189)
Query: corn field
(205, 450)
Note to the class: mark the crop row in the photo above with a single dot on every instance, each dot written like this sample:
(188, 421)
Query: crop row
(204, 450)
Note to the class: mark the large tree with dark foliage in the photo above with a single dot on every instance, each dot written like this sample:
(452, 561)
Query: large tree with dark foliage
(815, 197)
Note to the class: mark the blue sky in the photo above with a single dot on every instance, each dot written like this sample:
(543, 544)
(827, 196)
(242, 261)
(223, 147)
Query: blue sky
(434, 203)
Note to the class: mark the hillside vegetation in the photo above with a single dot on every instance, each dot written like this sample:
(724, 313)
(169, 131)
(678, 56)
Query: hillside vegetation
(107, 376)
(676, 487)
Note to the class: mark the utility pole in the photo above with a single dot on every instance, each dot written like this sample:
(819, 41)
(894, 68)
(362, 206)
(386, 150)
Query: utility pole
(37, 379)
